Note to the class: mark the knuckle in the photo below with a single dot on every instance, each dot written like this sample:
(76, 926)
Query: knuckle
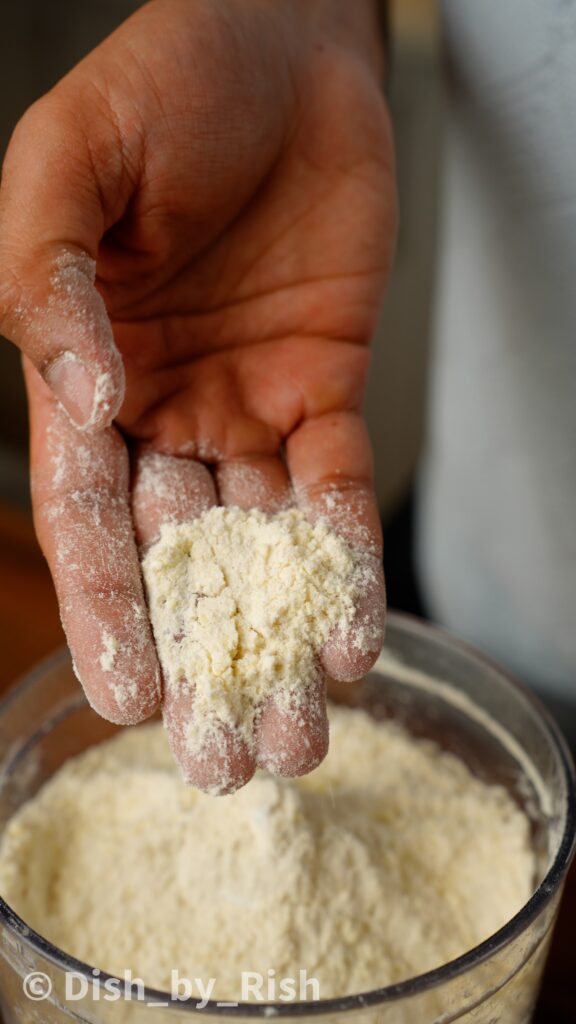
(10, 295)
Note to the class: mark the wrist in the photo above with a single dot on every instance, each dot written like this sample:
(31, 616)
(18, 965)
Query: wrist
(353, 24)
(359, 23)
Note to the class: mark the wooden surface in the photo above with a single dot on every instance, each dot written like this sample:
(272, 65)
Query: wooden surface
(30, 628)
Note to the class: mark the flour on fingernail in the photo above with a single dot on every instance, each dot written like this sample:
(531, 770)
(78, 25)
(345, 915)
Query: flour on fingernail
(74, 323)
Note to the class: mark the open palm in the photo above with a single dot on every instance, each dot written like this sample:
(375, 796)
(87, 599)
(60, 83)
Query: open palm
(230, 170)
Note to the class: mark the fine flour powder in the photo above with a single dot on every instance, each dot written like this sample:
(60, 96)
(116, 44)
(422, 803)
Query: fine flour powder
(386, 861)
(241, 605)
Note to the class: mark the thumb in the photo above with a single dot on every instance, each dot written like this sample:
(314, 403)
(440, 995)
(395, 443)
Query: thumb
(51, 222)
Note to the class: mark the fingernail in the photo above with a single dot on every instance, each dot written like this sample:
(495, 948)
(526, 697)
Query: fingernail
(73, 385)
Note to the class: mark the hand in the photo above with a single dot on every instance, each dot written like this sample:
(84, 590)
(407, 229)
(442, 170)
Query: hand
(229, 167)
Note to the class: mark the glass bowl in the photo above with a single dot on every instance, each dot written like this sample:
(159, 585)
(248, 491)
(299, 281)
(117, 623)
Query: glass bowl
(437, 688)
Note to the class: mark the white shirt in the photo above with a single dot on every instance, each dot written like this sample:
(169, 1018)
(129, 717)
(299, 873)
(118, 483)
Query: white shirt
(497, 520)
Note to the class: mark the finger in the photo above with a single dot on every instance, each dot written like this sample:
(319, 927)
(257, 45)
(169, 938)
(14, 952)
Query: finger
(82, 516)
(330, 463)
(257, 481)
(294, 741)
(51, 222)
(172, 490)
(289, 741)
(222, 765)
(166, 489)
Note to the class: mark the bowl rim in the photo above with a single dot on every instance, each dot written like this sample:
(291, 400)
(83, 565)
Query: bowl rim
(410, 987)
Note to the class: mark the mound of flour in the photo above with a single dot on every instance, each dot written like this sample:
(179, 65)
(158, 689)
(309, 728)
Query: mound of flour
(241, 605)
(388, 860)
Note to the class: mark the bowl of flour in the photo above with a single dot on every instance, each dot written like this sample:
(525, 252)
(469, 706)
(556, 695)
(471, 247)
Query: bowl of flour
(414, 876)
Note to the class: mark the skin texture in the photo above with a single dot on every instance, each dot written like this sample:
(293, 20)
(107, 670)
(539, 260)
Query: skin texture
(230, 169)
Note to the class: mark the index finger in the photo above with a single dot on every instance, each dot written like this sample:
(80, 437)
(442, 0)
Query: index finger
(83, 522)
(330, 462)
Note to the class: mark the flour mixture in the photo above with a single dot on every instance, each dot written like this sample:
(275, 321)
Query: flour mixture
(388, 860)
(242, 604)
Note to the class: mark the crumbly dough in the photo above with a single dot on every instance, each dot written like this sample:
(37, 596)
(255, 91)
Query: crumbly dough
(388, 860)
(241, 605)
